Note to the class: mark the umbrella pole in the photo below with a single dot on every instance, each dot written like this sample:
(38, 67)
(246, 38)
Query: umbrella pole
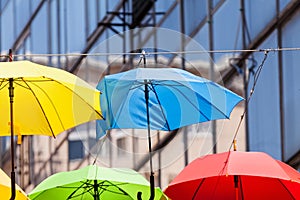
(236, 186)
(13, 177)
(96, 194)
(152, 194)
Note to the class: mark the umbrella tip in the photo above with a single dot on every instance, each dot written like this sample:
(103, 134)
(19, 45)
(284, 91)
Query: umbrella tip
(234, 145)
(10, 55)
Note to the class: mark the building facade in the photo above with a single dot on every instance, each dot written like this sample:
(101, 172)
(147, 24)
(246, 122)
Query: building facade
(244, 45)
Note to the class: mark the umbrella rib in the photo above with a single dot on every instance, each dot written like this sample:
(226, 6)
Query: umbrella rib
(41, 105)
(76, 188)
(180, 84)
(4, 81)
(207, 119)
(137, 85)
(78, 96)
(122, 105)
(160, 106)
(88, 188)
(288, 191)
(49, 79)
(198, 188)
(242, 193)
(81, 194)
(114, 185)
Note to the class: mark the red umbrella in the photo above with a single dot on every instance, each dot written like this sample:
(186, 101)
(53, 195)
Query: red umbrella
(236, 175)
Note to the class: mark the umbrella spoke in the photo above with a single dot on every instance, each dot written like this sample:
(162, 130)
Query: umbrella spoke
(104, 187)
(77, 95)
(198, 188)
(4, 81)
(121, 107)
(175, 87)
(287, 190)
(138, 85)
(74, 195)
(41, 107)
(241, 186)
(76, 189)
(88, 187)
(160, 106)
(190, 101)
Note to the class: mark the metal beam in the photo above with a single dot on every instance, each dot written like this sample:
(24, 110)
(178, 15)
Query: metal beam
(25, 32)
(289, 11)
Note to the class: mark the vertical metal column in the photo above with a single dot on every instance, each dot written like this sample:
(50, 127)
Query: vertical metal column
(124, 34)
(86, 18)
(49, 32)
(49, 50)
(66, 32)
(280, 77)
(58, 33)
(211, 62)
(182, 45)
(111, 157)
(244, 67)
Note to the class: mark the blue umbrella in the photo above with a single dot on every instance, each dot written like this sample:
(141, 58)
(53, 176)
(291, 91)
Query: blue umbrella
(161, 99)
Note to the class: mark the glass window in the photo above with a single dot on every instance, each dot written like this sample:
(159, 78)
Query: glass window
(75, 25)
(215, 2)
(39, 31)
(283, 3)
(93, 10)
(121, 144)
(195, 12)
(22, 14)
(263, 110)
(291, 88)
(226, 27)
(55, 44)
(3, 4)
(258, 14)
(202, 37)
(76, 150)
(200, 61)
(164, 5)
(173, 20)
(7, 36)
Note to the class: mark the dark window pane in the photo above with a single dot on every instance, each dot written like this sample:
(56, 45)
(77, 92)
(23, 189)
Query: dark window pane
(75, 149)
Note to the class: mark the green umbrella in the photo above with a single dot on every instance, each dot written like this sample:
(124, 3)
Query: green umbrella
(93, 182)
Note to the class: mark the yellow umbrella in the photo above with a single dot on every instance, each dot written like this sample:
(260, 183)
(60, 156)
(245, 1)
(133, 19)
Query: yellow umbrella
(5, 184)
(41, 100)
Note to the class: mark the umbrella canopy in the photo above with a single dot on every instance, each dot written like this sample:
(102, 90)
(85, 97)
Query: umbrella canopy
(176, 98)
(40, 100)
(46, 100)
(161, 99)
(5, 189)
(236, 175)
(93, 182)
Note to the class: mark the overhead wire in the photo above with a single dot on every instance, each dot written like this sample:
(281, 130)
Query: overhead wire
(256, 75)
(157, 52)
